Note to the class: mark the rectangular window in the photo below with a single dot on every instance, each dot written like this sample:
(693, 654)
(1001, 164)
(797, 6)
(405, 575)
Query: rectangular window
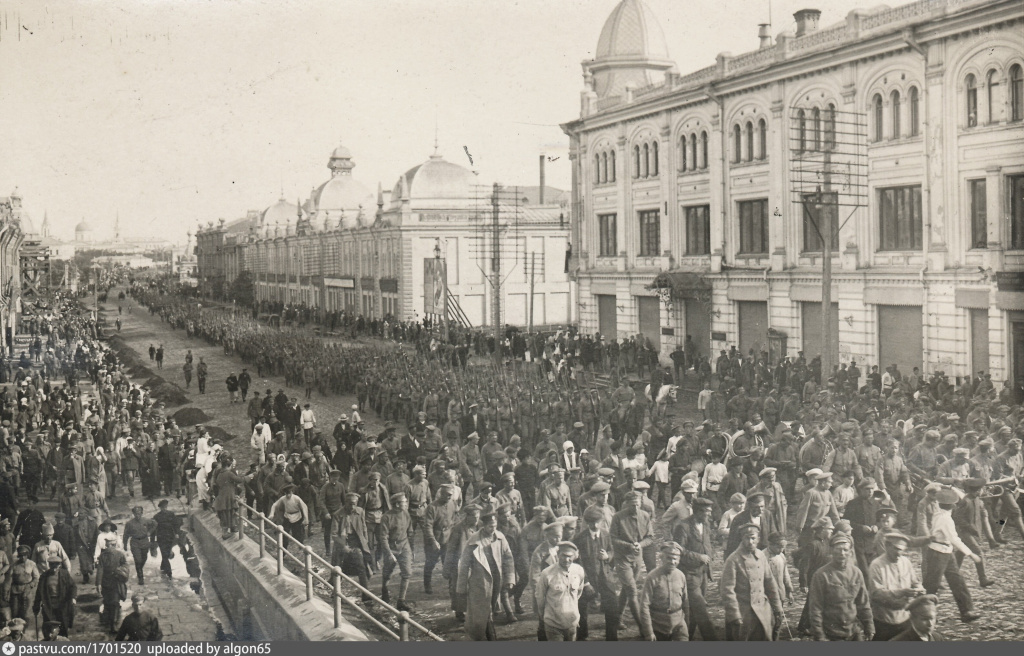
(979, 214)
(698, 230)
(813, 213)
(650, 233)
(753, 227)
(899, 218)
(1015, 184)
(607, 236)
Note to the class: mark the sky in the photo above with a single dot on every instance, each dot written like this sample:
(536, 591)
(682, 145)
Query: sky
(171, 113)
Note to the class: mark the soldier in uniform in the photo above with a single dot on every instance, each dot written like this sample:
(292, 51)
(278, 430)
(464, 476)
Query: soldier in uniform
(694, 535)
(47, 547)
(351, 543)
(438, 521)
(559, 589)
(663, 599)
(24, 577)
(838, 601)
(137, 535)
(112, 582)
(631, 531)
(554, 492)
(894, 583)
(751, 599)
(165, 534)
(140, 625)
(395, 531)
(85, 535)
(595, 556)
(56, 595)
(923, 618)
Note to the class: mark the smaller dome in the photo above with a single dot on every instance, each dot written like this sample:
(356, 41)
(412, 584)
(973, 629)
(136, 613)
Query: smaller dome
(27, 227)
(341, 152)
(436, 179)
(280, 213)
(632, 30)
(83, 227)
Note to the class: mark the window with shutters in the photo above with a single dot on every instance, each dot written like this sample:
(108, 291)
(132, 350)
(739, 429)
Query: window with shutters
(992, 95)
(753, 226)
(899, 217)
(698, 230)
(1016, 93)
(971, 92)
(915, 112)
(650, 233)
(894, 102)
(876, 105)
(762, 131)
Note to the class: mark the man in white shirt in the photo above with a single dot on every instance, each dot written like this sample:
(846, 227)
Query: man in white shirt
(893, 582)
(260, 438)
(558, 592)
(941, 562)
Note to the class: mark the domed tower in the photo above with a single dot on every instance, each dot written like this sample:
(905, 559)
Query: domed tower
(631, 52)
(83, 232)
(336, 202)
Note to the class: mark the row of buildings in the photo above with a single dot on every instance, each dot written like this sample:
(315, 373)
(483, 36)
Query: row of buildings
(346, 248)
(698, 199)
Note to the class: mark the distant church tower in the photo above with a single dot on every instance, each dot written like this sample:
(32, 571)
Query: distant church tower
(45, 228)
(117, 227)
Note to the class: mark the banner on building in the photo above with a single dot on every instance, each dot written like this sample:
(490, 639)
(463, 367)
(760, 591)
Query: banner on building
(435, 301)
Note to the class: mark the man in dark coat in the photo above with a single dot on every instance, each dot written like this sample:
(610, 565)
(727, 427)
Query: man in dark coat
(351, 545)
(595, 557)
(29, 527)
(755, 514)
(693, 534)
(166, 534)
(56, 595)
(84, 543)
(112, 581)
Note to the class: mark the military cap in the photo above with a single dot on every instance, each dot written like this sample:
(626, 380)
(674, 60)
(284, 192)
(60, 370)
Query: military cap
(823, 522)
(600, 487)
(578, 424)
(961, 451)
(352, 494)
(933, 487)
(866, 482)
(748, 527)
(24, 549)
(568, 521)
(288, 488)
(54, 558)
(334, 473)
(844, 526)
(885, 510)
(641, 485)
(17, 624)
(375, 474)
(701, 502)
(59, 516)
(756, 495)
(689, 485)
(605, 471)
(671, 547)
(840, 538)
(567, 546)
(737, 497)
(508, 476)
(974, 483)
(553, 524)
(986, 441)
(592, 515)
(471, 507)
(47, 529)
(767, 470)
(813, 473)
(397, 497)
(947, 496)
(895, 536)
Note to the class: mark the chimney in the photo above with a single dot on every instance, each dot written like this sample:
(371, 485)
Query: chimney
(764, 36)
(806, 21)
(540, 200)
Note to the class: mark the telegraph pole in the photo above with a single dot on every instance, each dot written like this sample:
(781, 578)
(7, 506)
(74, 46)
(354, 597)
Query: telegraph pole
(533, 276)
(825, 210)
(496, 272)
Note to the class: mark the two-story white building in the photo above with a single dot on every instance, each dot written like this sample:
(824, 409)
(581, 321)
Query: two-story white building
(683, 188)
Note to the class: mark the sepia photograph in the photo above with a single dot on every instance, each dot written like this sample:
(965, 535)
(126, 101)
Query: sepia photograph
(477, 320)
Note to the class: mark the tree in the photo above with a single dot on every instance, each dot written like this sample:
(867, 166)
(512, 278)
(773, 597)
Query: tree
(243, 290)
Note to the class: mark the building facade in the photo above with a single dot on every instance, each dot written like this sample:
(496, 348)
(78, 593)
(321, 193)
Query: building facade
(14, 222)
(345, 248)
(683, 186)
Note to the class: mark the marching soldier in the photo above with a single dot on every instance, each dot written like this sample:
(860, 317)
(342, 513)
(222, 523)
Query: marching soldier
(838, 601)
(749, 594)
(112, 582)
(140, 625)
(137, 535)
(24, 577)
(694, 538)
(663, 600)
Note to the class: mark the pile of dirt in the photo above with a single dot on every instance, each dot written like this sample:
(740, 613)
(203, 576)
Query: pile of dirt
(222, 435)
(169, 393)
(190, 417)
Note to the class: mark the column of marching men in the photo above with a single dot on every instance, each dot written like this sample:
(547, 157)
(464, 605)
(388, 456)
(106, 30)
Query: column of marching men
(530, 490)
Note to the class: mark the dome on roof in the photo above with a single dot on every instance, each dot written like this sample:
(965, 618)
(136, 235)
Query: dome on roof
(340, 197)
(27, 227)
(632, 30)
(83, 227)
(341, 152)
(435, 179)
(280, 213)
(631, 51)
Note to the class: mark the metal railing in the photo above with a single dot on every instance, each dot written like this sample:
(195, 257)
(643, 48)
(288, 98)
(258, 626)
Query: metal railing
(268, 530)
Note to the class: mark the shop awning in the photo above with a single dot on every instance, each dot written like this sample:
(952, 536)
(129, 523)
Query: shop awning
(683, 284)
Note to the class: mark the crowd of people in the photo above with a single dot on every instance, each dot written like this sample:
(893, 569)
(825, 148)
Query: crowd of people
(538, 476)
(77, 432)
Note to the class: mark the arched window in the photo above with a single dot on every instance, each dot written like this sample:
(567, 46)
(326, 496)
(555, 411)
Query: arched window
(604, 167)
(611, 167)
(647, 161)
(597, 169)
(991, 82)
(801, 119)
(762, 131)
(816, 114)
(1016, 93)
(654, 155)
(636, 161)
(877, 106)
(683, 154)
(894, 101)
(830, 127)
(971, 86)
(703, 149)
(750, 141)
(693, 152)
(915, 112)
(737, 143)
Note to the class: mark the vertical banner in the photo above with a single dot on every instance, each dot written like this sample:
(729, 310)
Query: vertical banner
(435, 301)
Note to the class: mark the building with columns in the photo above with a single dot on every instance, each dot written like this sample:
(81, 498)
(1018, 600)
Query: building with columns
(683, 188)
